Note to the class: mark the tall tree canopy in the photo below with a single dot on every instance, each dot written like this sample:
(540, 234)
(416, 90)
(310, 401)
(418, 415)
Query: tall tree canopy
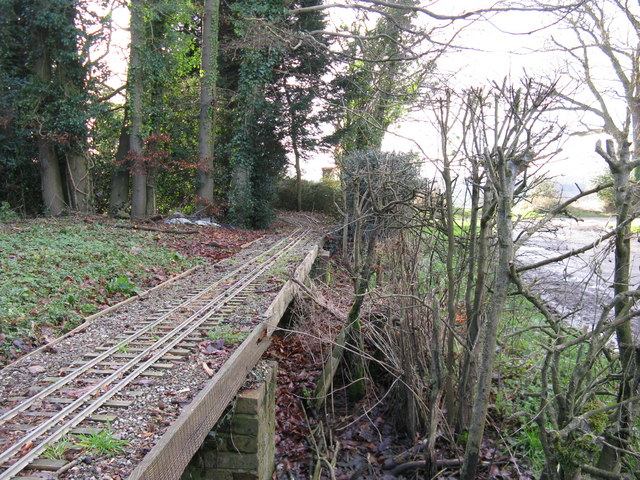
(273, 80)
(47, 98)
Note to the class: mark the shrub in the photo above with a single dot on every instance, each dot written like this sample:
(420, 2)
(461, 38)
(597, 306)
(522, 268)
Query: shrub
(546, 195)
(6, 214)
(607, 196)
(316, 196)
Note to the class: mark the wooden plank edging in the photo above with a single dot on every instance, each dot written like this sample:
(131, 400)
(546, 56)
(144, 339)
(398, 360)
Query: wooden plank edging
(173, 452)
(279, 305)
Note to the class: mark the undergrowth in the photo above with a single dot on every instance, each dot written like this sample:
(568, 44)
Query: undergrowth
(517, 394)
(55, 272)
(519, 362)
(227, 333)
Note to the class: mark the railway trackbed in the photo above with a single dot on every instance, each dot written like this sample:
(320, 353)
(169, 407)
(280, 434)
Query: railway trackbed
(132, 375)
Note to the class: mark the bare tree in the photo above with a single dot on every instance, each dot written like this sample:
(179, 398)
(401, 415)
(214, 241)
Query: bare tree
(378, 189)
(517, 137)
(604, 52)
(626, 201)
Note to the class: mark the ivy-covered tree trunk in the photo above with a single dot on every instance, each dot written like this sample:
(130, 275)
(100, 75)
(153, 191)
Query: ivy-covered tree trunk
(263, 70)
(209, 78)
(139, 191)
(240, 196)
(51, 179)
(120, 175)
(77, 175)
(48, 88)
(375, 96)
(52, 194)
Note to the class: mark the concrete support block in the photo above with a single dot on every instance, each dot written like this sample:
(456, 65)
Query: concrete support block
(242, 445)
(321, 268)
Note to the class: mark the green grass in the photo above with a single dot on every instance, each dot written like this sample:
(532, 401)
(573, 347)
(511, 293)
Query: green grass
(228, 334)
(55, 272)
(518, 364)
(58, 449)
(102, 443)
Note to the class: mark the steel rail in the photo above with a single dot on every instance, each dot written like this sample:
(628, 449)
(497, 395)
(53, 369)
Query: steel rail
(222, 299)
(9, 414)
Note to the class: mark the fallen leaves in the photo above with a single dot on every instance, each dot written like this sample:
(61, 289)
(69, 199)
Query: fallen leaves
(178, 392)
(207, 369)
(78, 392)
(213, 243)
(296, 381)
(211, 347)
(26, 448)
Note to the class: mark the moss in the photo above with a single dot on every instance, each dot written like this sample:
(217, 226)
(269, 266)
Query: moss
(597, 422)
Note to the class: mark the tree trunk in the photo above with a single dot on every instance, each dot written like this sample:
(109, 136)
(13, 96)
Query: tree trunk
(80, 182)
(296, 153)
(293, 129)
(353, 356)
(621, 169)
(505, 185)
(467, 375)
(119, 195)
(634, 106)
(152, 205)
(241, 195)
(450, 390)
(51, 180)
(206, 130)
(139, 193)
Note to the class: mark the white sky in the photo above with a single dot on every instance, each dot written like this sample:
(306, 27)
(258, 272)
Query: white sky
(509, 46)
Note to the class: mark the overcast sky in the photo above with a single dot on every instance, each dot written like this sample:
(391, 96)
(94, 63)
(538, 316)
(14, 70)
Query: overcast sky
(509, 45)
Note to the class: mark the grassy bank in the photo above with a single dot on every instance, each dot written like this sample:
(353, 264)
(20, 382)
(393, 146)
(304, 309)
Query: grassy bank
(55, 272)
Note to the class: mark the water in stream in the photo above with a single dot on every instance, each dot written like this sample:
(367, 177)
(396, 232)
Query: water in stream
(578, 286)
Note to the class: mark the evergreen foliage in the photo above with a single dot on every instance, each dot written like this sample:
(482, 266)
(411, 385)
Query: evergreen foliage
(257, 153)
(273, 101)
(381, 77)
(318, 197)
(378, 186)
(46, 94)
(267, 92)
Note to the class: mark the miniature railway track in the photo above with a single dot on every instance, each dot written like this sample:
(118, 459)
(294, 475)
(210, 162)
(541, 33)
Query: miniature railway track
(116, 365)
